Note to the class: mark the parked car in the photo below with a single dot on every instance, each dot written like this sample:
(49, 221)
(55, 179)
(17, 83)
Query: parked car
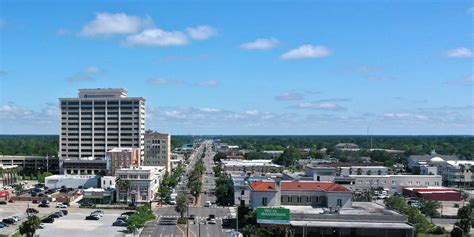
(128, 213)
(119, 223)
(207, 204)
(16, 218)
(99, 213)
(43, 205)
(65, 212)
(66, 203)
(60, 205)
(60, 213)
(48, 219)
(123, 218)
(35, 201)
(92, 217)
(55, 215)
(3, 225)
(31, 210)
(9, 221)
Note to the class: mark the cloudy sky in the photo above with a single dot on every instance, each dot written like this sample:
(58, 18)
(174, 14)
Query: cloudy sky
(245, 67)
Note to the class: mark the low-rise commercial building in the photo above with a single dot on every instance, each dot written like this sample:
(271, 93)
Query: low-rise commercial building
(72, 181)
(262, 166)
(144, 182)
(416, 161)
(122, 158)
(320, 172)
(433, 193)
(347, 147)
(241, 185)
(299, 193)
(367, 170)
(392, 183)
(361, 219)
(85, 166)
(99, 195)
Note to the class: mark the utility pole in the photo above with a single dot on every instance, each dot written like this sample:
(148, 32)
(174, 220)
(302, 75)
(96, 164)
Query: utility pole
(187, 219)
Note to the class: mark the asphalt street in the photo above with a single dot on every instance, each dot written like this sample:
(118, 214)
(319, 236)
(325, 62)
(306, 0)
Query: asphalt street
(198, 227)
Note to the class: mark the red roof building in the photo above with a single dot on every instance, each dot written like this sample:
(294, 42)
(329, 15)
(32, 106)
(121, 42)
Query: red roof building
(433, 193)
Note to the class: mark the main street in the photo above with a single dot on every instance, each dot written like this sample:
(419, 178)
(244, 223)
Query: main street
(198, 227)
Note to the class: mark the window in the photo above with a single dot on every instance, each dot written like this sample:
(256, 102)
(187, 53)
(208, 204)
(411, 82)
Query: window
(242, 192)
(144, 197)
(339, 202)
(264, 201)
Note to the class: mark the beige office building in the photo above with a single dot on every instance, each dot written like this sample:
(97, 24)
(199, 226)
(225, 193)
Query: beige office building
(158, 150)
(123, 158)
(100, 120)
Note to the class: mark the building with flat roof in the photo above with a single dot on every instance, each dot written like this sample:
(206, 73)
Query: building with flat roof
(85, 166)
(123, 158)
(392, 183)
(433, 193)
(100, 120)
(367, 170)
(158, 150)
(144, 181)
(347, 147)
(360, 219)
(72, 181)
(262, 166)
(32, 164)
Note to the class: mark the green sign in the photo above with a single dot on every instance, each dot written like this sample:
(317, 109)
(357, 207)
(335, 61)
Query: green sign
(267, 215)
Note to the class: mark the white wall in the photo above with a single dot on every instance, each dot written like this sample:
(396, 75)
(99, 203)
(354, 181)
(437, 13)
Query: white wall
(256, 199)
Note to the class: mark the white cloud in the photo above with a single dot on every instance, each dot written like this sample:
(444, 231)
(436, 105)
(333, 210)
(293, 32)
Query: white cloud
(86, 74)
(157, 37)
(289, 96)
(208, 83)
(161, 81)
(93, 69)
(466, 81)
(307, 51)
(20, 120)
(114, 23)
(320, 106)
(210, 110)
(261, 44)
(459, 53)
(201, 32)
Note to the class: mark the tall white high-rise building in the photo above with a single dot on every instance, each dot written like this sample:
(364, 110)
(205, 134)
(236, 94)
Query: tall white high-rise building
(100, 120)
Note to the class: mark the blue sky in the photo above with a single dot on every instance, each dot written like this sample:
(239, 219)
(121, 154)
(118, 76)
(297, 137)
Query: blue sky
(245, 67)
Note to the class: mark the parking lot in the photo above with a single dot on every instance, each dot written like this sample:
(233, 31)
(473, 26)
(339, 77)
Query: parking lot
(74, 224)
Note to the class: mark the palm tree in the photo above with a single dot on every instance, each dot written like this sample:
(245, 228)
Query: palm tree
(30, 226)
(123, 185)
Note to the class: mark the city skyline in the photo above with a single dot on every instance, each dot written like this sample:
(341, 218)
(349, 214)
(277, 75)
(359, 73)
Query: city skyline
(306, 68)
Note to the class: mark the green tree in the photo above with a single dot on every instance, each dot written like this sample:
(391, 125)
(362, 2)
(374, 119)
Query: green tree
(289, 157)
(30, 226)
(139, 218)
(465, 219)
(41, 176)
(219, 156)
(181, 204)
(430, 208)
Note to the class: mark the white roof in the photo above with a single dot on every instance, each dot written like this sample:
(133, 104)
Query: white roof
(456, 163)
(437, 159)
(121, 149)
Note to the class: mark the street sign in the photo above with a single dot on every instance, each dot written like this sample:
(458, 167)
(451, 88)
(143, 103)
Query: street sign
(277, 216)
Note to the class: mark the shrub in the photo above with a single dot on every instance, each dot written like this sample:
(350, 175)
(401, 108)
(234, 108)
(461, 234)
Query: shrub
(182, 220)
(436, 230)
(456, 205)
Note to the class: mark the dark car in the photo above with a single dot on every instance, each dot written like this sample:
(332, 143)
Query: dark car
(9, 221)
(55, 215)
(60, 213)
(31, 210)
(48, 219)
(67, 204)
(119, 223)
(43, 205)
(192, 217)
(2, 225)
(65, 212)
(92, 217)
(129, 213)
(35, 201)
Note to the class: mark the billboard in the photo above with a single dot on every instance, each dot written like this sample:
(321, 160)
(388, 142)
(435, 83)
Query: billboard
(266, 215)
